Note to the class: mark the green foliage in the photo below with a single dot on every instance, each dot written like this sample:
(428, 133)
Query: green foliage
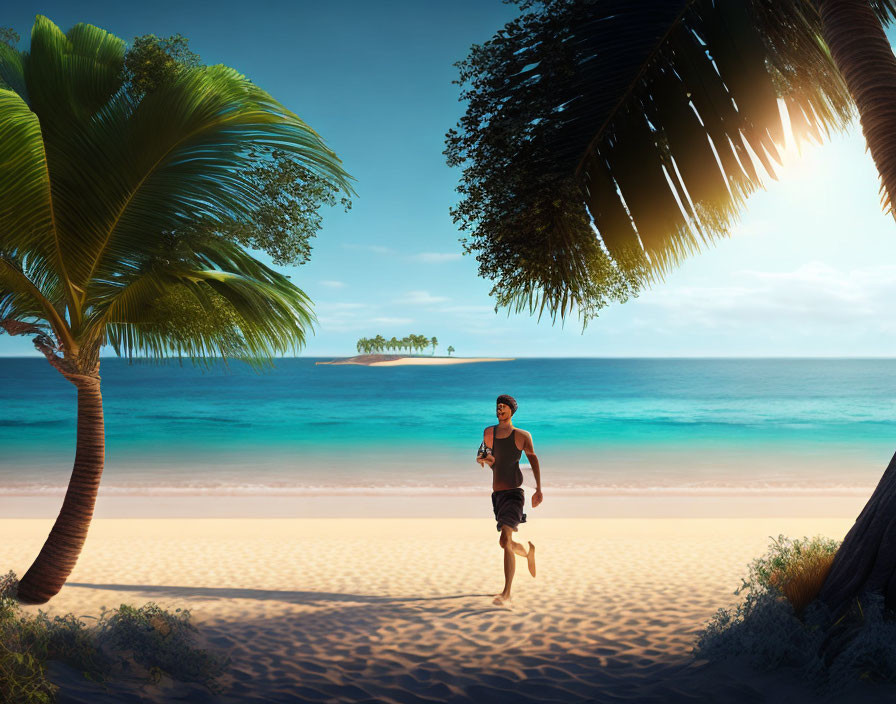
(160, 642)
(289, 211)
(145, 644)
(9, 36)
(783, 556)
(289, 195)
(161, 172)
(381, 344)
(151, 62)
(831, 656)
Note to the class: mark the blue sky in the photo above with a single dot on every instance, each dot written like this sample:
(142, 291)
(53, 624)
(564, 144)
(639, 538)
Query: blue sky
(809, 271)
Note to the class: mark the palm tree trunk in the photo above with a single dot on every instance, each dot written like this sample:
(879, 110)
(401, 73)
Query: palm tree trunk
(866, 560)
(862, 53)
(60, 552)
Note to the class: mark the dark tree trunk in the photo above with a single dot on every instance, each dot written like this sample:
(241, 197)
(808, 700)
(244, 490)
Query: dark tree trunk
(862, 53)
(866, 560)
(60, 552)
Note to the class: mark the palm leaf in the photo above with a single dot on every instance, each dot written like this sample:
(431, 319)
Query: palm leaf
(101, 190)
(668, 116)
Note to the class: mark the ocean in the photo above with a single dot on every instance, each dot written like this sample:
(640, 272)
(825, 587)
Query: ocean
(599, 426)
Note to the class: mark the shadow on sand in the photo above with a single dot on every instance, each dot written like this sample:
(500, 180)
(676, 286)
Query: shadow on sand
(266, 594)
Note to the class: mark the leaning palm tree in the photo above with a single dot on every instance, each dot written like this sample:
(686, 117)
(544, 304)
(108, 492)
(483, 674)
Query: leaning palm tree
(605, 142)
(101, 190)
(434, 341)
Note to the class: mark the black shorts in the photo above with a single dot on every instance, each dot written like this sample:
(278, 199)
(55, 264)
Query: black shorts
(508, 505)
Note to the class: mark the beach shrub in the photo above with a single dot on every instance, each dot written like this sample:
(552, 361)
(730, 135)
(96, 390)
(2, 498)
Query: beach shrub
(778, 625)
(22, 675)
(146, 643)
(160, 642)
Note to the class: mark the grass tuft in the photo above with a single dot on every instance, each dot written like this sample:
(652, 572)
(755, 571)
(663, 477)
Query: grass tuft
(145, 644)
(801, 581)
(779, 624)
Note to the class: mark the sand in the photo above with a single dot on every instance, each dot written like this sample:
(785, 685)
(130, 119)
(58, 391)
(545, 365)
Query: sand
(383, 360)
(399, 610)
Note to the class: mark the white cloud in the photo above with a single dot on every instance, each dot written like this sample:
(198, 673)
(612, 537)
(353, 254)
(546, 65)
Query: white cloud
(814, 296)
(332, 284)
(435, 257)
(392, 321)
(468, 309)
(343, 317)
(421, 297)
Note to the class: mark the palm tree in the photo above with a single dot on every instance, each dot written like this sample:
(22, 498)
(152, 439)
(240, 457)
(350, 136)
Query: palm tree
(360, 345)
(434, 341)
(450, 350)
(101, 188)
(636, 120)
(393, 344)
(641, 117)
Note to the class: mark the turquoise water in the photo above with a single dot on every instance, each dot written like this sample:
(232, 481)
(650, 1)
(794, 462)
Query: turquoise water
(599, 425)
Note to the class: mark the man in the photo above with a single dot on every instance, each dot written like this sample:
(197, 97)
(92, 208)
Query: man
(508, 500)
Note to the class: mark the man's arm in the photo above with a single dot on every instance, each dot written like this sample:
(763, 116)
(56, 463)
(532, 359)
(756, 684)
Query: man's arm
(490, 460)
(529, 449)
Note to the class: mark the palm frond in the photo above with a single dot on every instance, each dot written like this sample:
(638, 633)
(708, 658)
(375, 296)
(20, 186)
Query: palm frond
(25, 210)
(22, 299)
(222, 302)
(666, 114)
(179, 155)
(101, 190)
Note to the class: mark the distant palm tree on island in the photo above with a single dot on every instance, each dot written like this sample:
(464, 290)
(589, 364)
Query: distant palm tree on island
(450, 350)
(602, 144)
(411, 343)
(131, 184)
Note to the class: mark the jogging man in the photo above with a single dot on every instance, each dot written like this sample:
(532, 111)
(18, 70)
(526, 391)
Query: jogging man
(508, 500)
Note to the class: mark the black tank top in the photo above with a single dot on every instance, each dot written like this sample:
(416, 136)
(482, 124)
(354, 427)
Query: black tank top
(507, 459)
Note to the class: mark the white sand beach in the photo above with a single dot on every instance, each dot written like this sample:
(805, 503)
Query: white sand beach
(391, 360)
(399, 609)
(436, 361)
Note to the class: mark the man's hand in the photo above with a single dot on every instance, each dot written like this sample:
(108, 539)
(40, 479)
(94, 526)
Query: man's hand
(537, 498)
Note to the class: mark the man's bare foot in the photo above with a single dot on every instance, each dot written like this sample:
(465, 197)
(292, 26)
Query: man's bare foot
(501, 599)
(530, 558)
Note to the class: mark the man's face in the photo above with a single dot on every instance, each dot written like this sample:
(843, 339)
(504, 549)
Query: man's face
(503, 412)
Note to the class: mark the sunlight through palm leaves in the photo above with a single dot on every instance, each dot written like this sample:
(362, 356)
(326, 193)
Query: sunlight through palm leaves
(604, 142)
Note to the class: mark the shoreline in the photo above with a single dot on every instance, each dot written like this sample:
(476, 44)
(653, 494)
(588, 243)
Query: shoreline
(447, 506)
(393, 360)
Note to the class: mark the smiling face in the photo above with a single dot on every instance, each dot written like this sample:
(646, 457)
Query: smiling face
(503, 413)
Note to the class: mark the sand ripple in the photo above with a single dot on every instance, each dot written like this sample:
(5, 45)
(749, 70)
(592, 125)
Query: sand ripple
(380, 610)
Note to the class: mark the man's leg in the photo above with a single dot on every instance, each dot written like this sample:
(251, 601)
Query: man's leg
(522, 552)
(509, 563)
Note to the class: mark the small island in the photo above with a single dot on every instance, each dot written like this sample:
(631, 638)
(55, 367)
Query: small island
(371, 351)
(394, 360)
